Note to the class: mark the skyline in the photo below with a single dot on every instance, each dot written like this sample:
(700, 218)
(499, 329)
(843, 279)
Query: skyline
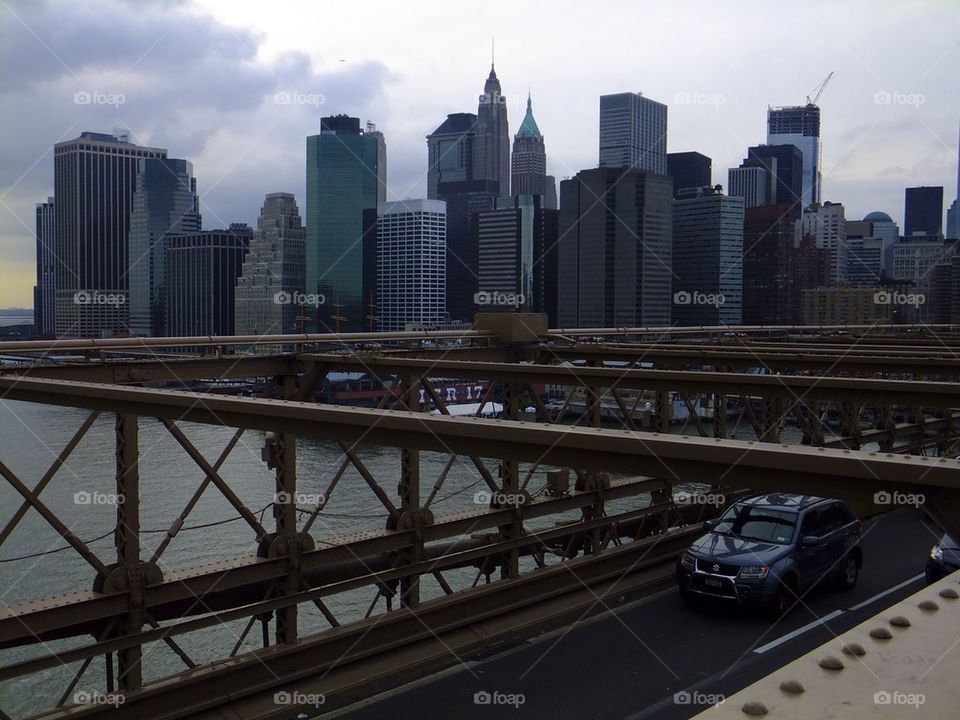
(228, 122)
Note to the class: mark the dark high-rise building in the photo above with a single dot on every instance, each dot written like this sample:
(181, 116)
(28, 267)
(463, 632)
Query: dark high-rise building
(769, 175)
(941, 305)
(165, 203)
(491, 145)
(770, 295)
(43, 291)
(346, 176)
(450, 152)
(613, 262)
(689, 170)
(202, 271)
(923, 211)
(954, 230)
(529, 170)
(813, 267)
(450, 177)
(468, 168)
(516, 250)
(464, 199)
(800, 126)
(707, 258)
(633, 132)
(269, 298)
(95, 178)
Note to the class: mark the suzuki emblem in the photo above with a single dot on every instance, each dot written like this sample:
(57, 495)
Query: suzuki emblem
(716, 568)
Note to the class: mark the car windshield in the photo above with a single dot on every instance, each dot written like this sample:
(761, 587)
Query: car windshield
(751, 522)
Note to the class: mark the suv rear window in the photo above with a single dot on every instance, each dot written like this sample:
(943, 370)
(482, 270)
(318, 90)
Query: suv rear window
(751, 522)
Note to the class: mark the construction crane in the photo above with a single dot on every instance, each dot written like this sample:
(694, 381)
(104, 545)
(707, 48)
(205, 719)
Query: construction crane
(818, 91)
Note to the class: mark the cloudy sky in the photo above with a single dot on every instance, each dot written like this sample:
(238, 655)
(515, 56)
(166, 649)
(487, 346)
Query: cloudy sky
(202, 79)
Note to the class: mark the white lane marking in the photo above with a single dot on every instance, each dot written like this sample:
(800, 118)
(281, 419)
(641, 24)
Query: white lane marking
(826, 618)
(886, 592)
(799, 631)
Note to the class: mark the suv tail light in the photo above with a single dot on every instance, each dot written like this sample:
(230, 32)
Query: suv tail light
(856, 525)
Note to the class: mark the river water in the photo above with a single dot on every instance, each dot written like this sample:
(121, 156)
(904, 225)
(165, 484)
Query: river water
(31, 436)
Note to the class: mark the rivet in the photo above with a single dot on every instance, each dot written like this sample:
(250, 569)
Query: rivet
(929, 606)
(830, 663)
(854, 649)
(791, 686)
(949, 593)
(754, 708)
(899, 621)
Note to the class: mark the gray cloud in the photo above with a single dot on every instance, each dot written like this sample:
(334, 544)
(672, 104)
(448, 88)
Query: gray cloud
(205, 89)
(173, 77)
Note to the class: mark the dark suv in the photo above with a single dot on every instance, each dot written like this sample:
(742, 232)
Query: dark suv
(769, 549)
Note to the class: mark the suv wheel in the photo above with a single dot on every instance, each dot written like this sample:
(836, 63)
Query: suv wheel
(785, 599)
(849, 571)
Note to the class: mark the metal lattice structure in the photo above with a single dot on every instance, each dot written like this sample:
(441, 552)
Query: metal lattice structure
(593, 410)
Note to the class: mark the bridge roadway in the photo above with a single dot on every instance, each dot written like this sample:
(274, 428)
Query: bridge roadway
(629, 666)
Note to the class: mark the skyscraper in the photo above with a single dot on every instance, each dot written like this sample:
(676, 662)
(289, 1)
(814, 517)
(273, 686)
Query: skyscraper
(165, 202)
(345, 177)
(613, 261)
(770, 295)
(468, 168)
(269, 297)
(202, 270)
(689, 170)
(529, 169)
(914, 260)
(956, 204)
(95, 177)
(752, 184)
(883, 227)
(864, 254)
(491, 146)
(464, 200)
(769, 175)
(450, 152)
(410, 264)
(516, 265)
(800, 126)
(707, 259)
(633, 132)
(923, 211)
(826, 227)
(43, 291)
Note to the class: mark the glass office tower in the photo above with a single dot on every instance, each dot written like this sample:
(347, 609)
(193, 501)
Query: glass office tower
(346, 175)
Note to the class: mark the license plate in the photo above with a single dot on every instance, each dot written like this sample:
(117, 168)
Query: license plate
(713, 582)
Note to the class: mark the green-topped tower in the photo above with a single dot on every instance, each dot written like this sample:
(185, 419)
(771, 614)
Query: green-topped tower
(529, 171)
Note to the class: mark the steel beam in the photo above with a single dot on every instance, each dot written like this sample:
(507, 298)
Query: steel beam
(665, 357)
(265, 670)
(687, 458)
(222, 584)
(129, 575)
(789, 387)
(128, 372)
